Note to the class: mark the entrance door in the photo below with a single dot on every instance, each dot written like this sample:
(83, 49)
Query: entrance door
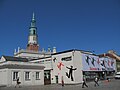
(56, 79)
(47, 77)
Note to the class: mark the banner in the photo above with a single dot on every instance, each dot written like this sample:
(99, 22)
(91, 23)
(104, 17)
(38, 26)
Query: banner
(91, 63)
(107, 64)
(94, 63)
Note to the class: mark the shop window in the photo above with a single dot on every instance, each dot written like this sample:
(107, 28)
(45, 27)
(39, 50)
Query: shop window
(15, 76)
(37, 75)
(27, 76)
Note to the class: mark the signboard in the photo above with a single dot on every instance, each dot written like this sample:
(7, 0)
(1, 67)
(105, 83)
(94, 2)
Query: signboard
(94, 63)
(91, 63)
(67, 58)
(107, 64)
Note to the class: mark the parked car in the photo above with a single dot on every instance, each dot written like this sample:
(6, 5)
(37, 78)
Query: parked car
(117, 76)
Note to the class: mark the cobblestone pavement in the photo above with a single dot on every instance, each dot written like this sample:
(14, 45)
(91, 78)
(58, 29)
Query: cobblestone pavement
(112, 85)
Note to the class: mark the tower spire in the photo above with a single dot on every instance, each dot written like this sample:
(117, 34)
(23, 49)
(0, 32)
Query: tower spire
(33, 17)
(33, 21)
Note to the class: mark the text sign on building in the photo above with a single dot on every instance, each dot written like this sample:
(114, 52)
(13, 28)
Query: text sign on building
(66, 58)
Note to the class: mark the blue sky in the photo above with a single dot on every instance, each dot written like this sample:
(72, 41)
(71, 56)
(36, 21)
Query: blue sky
(91, 25)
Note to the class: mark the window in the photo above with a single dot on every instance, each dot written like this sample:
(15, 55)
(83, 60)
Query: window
(34, 38)
(27, 75)
(15, 76)
(37, 75)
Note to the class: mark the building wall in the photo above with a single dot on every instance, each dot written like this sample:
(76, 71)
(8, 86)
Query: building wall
(117, 66)
(60, 70)
(6, 77)
(77, 61)
(58, 63)
(33, 47)
(47, 62)
(67, 60)
(3, 77)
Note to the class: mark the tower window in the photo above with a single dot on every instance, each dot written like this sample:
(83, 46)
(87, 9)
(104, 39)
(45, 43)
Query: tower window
(34, 38)
(34, 32)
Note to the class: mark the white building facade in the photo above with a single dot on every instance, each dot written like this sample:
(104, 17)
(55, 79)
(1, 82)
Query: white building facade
(71, 65)
(67, 65)
(28, 73)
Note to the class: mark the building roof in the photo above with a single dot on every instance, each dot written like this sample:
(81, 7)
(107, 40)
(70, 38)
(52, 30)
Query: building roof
(40, 58)
(11, 58)
(17, 66)
(18, 63)
(83, 51)
(110, 55)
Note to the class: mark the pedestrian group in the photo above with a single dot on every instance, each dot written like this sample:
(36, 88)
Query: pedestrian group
(95, 82)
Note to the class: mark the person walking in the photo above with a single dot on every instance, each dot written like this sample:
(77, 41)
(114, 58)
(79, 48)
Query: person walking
(17, 82)
(62, 81)
(96, 81)
(84, 82)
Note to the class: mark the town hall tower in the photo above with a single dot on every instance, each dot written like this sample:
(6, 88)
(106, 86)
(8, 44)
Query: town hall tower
(33, 37)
